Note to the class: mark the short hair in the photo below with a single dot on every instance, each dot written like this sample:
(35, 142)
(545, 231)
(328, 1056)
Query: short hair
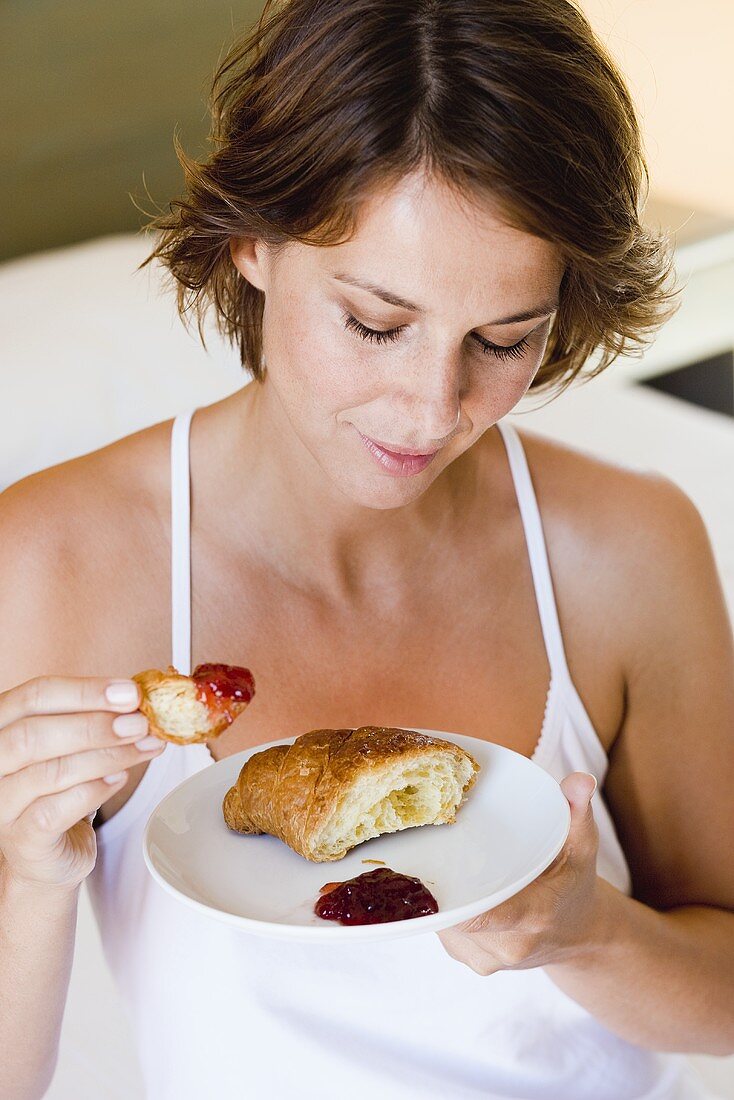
(322, 101)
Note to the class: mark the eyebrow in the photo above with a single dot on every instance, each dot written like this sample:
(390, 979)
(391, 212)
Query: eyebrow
(403, 303)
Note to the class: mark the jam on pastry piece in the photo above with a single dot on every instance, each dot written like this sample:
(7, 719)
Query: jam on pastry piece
(188, 709)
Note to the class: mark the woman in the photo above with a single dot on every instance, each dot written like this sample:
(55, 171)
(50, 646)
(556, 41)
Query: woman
(413, 214)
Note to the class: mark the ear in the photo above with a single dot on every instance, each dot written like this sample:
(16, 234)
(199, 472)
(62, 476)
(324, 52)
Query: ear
(248, 257)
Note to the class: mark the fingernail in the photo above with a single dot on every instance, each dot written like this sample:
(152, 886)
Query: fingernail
(121, 693)
(130, 725)
(114, 778)
(148, 743)
(596, 784)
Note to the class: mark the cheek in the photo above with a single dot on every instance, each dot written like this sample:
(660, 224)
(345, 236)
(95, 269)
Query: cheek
(308, 368)
(319, 384)
(337, 376)
(498, 387)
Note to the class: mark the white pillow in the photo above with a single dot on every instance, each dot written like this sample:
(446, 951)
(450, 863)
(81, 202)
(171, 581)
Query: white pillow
(93, 350)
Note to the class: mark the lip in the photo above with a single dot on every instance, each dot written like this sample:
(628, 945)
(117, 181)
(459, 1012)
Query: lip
(402, 463)
(388, 447)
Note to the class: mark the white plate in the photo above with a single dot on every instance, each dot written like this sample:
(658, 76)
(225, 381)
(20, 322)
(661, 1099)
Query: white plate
(512, 826)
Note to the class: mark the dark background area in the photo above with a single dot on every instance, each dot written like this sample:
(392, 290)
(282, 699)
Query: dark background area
(91, 96)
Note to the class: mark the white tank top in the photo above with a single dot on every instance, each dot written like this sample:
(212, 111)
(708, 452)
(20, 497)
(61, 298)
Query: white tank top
(216, 1011)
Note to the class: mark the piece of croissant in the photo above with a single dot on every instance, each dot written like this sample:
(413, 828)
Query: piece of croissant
(333, 789)
(189, 709)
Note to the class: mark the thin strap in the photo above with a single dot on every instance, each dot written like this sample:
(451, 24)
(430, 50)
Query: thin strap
(537, 552)
(181, 544)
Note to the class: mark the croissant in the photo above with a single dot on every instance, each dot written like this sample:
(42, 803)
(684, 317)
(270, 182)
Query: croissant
(188, 709)
(333, 789)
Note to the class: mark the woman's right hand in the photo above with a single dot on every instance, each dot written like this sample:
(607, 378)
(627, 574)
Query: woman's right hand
(65, 745)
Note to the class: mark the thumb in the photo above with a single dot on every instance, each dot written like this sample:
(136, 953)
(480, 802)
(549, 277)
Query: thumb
(579, 788)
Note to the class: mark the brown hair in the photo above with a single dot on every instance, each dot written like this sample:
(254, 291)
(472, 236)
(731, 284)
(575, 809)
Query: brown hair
(323, 100)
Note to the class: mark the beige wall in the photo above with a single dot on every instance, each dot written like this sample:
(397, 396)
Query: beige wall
(91, 95)
(94, 92)
(678, 57)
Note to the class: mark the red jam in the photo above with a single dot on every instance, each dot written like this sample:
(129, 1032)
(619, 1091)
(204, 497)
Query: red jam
(221, 684)
(374, 897)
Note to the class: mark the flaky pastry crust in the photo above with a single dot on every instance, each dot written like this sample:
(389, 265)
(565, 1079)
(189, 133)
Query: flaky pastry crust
(292, 791)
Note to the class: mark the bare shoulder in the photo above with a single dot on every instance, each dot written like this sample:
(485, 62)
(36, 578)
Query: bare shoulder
(606, 496)
(633, 573)
(633, 554)
(67, 536)
(633, 534)
(96, 483)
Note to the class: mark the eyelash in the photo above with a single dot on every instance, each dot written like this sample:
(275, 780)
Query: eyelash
(377, 337)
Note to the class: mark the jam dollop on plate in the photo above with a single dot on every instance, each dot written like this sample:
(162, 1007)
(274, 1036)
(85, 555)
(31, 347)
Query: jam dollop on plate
(222, 684)
(375, 897)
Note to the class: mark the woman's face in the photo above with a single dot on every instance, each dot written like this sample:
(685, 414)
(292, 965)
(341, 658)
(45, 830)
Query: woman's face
(351, 370)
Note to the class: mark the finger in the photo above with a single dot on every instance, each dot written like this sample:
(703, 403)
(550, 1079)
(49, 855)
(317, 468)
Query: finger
(66, 695)
(49, 777)
(558, 862)
(579, 788)
(511, 917)
(467, 951)
(48, 818)
(583, 836)
(43, 736)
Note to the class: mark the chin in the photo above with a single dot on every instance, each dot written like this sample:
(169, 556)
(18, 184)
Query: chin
(383, 492)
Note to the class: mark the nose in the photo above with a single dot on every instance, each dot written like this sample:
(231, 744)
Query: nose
(433, 400)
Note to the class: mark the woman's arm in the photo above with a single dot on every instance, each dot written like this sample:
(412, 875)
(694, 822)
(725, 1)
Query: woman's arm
(656, 968)
(663, 974)
(37, 923)
(56, 745)
(37, 927)
(663, 980)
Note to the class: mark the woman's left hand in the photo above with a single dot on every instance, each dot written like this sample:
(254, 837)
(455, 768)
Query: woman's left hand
(556, 917)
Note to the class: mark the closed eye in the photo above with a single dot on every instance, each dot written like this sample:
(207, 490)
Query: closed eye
(377, 336)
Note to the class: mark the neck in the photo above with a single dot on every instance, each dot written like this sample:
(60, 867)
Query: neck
(313, 534)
